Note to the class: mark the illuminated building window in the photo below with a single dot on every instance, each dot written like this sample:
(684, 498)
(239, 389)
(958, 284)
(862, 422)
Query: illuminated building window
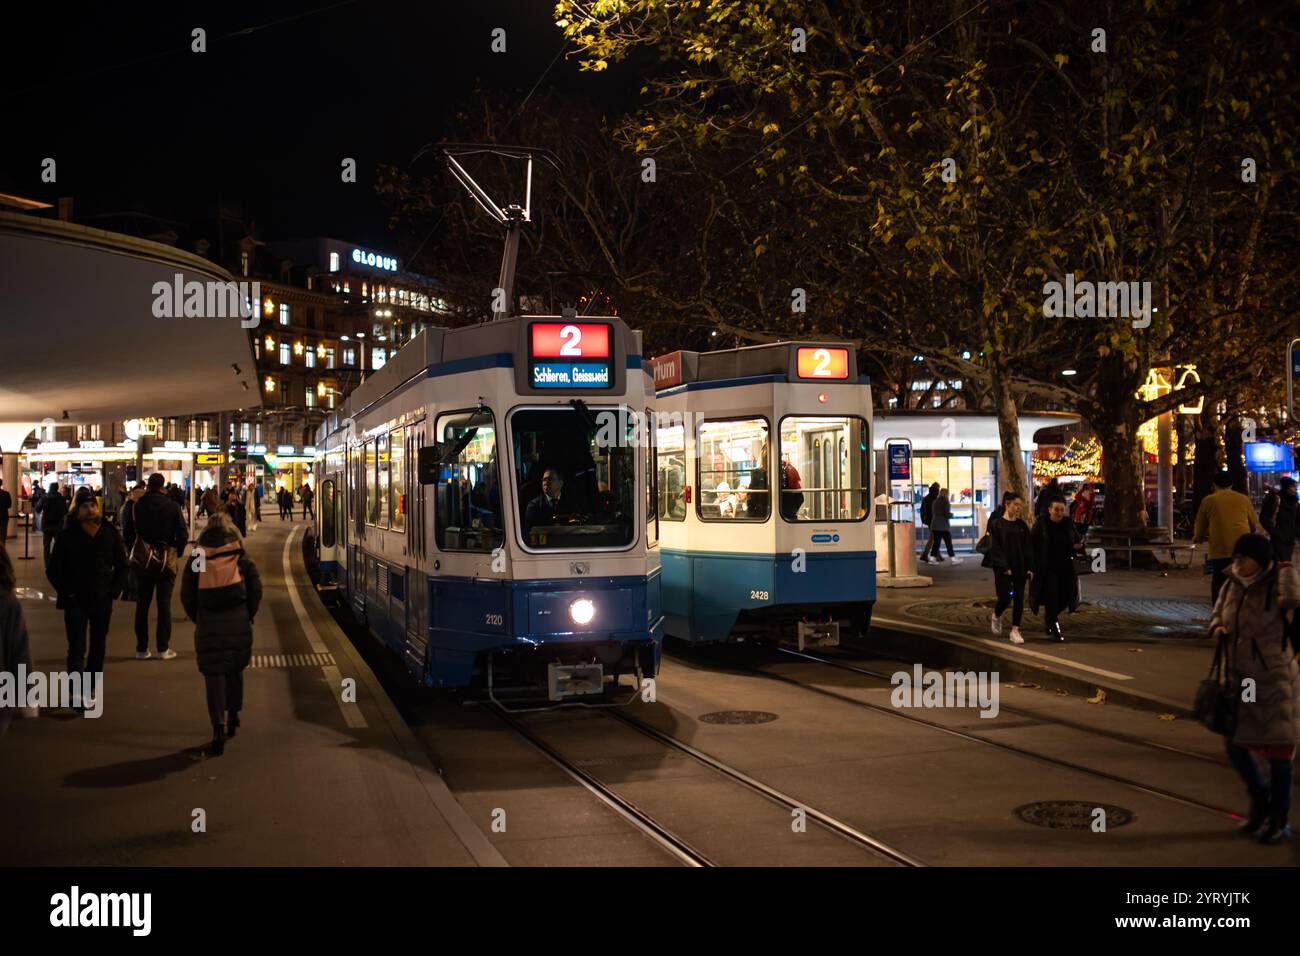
(311, 359)
(284, 313)
(243, 262)
(329, 357)
(284, 353)
(334, 262)
(310, 398)
(349, 356)
(378, 357)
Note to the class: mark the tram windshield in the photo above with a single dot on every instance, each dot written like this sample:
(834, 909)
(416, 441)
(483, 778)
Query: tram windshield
(825, 468)
(576, 487)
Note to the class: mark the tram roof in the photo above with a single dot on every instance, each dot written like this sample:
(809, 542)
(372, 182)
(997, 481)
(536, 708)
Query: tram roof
(439, 350)
(784, 360)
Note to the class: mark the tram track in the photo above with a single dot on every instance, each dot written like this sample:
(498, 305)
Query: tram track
(661, 834)
(1035, 755)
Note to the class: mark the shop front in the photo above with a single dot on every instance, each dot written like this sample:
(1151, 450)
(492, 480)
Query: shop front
(960, 451)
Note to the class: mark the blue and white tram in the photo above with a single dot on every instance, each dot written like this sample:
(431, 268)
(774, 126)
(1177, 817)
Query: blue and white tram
(485, 509)
(789, 560)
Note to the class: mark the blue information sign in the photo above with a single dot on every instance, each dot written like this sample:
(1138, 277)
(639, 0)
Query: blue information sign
(900, 462)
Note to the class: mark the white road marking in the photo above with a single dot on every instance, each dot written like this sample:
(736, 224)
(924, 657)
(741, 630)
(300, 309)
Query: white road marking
(1005, 646)
(351, 712)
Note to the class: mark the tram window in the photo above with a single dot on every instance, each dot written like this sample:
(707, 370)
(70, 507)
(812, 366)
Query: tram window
(825, 468)
(731, 470)
(467, 496)
(575, 487)
(372, 496)
(671, 453)
(397, 483)
(381, 481)
(327, 516)
(651, 479)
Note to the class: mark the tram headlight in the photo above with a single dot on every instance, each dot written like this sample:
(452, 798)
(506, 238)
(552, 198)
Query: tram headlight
(582, 611)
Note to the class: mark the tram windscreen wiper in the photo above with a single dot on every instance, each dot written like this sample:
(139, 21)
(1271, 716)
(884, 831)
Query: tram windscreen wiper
(588, 420)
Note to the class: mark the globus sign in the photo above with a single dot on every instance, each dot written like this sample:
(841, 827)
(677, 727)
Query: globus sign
(570, 355)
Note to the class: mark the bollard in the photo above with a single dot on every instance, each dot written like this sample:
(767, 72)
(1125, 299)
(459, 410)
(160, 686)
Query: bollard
(27, 528)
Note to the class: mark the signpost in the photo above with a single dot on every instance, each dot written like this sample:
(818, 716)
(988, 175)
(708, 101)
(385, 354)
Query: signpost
(898, 464)
(1293, 370)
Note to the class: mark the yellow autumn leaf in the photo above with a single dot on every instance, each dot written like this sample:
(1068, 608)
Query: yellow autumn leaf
(1061, 59)
(1100, 698)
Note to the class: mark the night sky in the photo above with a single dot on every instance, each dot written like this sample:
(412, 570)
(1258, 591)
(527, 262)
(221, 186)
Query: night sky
(262, 120)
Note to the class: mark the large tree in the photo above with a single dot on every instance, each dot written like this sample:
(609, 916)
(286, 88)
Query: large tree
(941, 166)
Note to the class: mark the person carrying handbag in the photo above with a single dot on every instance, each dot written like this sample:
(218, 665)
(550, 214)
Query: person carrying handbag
(155, 532)
(1262, 681)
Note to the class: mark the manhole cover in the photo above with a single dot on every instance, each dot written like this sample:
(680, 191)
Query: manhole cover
(738, 717)
(1072, 814)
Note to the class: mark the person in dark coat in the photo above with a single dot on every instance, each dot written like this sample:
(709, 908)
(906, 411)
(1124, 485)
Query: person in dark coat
(1011, 557)
(54, 512)
(1055, 583)
(941, 528)
(88, 570)
(235, 508)
(1249, 623)
(1049, 491)
(155, 521)
(6, 505)
(308, 496)
(222, 597)
(927, 519)
(15, 648)
(1278, 516)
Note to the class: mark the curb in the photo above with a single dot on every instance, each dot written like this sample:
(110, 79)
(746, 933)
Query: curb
(477, 844)
(905, 640)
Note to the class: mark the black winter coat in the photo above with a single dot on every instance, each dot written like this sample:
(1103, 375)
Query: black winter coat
(1283, 531)
(54, 510)
(1053, 565)
(222, 600)
(85, 568)
(1009, 547)
(158, 520)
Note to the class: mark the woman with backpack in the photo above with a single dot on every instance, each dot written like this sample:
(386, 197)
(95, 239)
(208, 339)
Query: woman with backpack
(222, 597)
(1251, 626)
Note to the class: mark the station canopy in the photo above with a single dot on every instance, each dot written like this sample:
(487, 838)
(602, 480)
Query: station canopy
(81, 342)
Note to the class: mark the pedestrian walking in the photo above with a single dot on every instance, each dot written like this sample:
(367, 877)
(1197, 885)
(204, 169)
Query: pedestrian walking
(1222, 519)
(1010, 555)
(155, 533)
(54, 512)
(88, 570)
(1055, 585)
(1082, 510)
(940, 527)
(249, 501)
(308, 498)
(1280, 520)
(257, 501)
(927, 519)
(222, 598)
(15, 648)
(1049, 491)
(6, 505)
(235, 509)
(1249, 623)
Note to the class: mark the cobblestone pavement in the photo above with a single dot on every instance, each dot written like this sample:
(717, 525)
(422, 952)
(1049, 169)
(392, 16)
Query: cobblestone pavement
(1121, 619)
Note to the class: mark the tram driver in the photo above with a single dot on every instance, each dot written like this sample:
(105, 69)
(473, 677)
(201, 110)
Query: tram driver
(545, 508)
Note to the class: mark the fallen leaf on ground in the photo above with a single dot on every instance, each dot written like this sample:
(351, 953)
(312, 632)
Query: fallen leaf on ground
(1025, 683)
(1100, 698)
(1166, 717)
(1136, 650)
(1062, 693)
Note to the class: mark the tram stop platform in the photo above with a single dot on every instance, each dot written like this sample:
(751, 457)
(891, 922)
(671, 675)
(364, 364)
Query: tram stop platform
(308, 780)
(1140, 635)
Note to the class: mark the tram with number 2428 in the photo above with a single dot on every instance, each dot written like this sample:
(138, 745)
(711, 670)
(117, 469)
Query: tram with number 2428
(745, 557)
(484, 508)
